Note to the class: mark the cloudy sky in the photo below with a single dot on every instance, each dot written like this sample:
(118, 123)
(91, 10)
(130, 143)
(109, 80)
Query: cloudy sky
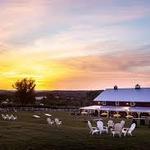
(75, 44)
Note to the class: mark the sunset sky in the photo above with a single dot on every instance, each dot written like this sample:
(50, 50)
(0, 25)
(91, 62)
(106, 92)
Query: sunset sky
(75, 44)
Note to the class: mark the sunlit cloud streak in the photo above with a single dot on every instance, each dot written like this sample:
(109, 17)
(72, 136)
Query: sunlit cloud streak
(67, 44)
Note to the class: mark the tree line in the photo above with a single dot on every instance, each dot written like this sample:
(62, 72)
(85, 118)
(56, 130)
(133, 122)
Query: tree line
(25, 94)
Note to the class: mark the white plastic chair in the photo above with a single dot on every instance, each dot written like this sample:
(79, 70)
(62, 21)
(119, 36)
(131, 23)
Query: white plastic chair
(93, 130)
(131, 129)
(49, 121)
(58, 122)
(110, 123)
(15, 118)
(124, 131)
(12, 117)
(4, 117)
(101, 127)
(117, 129)
(7, 117)
(122, 122)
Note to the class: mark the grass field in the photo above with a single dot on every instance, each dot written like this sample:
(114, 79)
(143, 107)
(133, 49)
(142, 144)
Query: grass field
(28, 133)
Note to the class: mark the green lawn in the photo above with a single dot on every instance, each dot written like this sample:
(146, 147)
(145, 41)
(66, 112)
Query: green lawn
(28, 133)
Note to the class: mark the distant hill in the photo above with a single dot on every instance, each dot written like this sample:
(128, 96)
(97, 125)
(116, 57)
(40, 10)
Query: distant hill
(67, 93)
(70, 98)
(7, 92)
(76, 93)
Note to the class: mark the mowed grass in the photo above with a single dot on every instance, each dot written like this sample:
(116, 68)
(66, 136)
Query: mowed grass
(28, 133)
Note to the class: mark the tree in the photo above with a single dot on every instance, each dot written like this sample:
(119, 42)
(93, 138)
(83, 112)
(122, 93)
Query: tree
(25, 91)
(90, 95)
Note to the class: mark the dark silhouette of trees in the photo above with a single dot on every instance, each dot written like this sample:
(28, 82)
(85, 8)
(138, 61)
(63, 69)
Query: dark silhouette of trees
(90, 95)
(25, 91)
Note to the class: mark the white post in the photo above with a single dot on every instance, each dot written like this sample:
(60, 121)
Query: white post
(139, 114)
(107, 114)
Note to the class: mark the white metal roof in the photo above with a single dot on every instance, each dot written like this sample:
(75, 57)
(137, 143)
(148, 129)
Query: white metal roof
(94, 107)
(125, 95)
(118, 108)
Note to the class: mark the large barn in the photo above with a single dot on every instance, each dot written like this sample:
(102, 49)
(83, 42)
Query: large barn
(124, 101)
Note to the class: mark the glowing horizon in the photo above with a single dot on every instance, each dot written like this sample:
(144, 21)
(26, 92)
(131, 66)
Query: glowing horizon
(67, 44)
